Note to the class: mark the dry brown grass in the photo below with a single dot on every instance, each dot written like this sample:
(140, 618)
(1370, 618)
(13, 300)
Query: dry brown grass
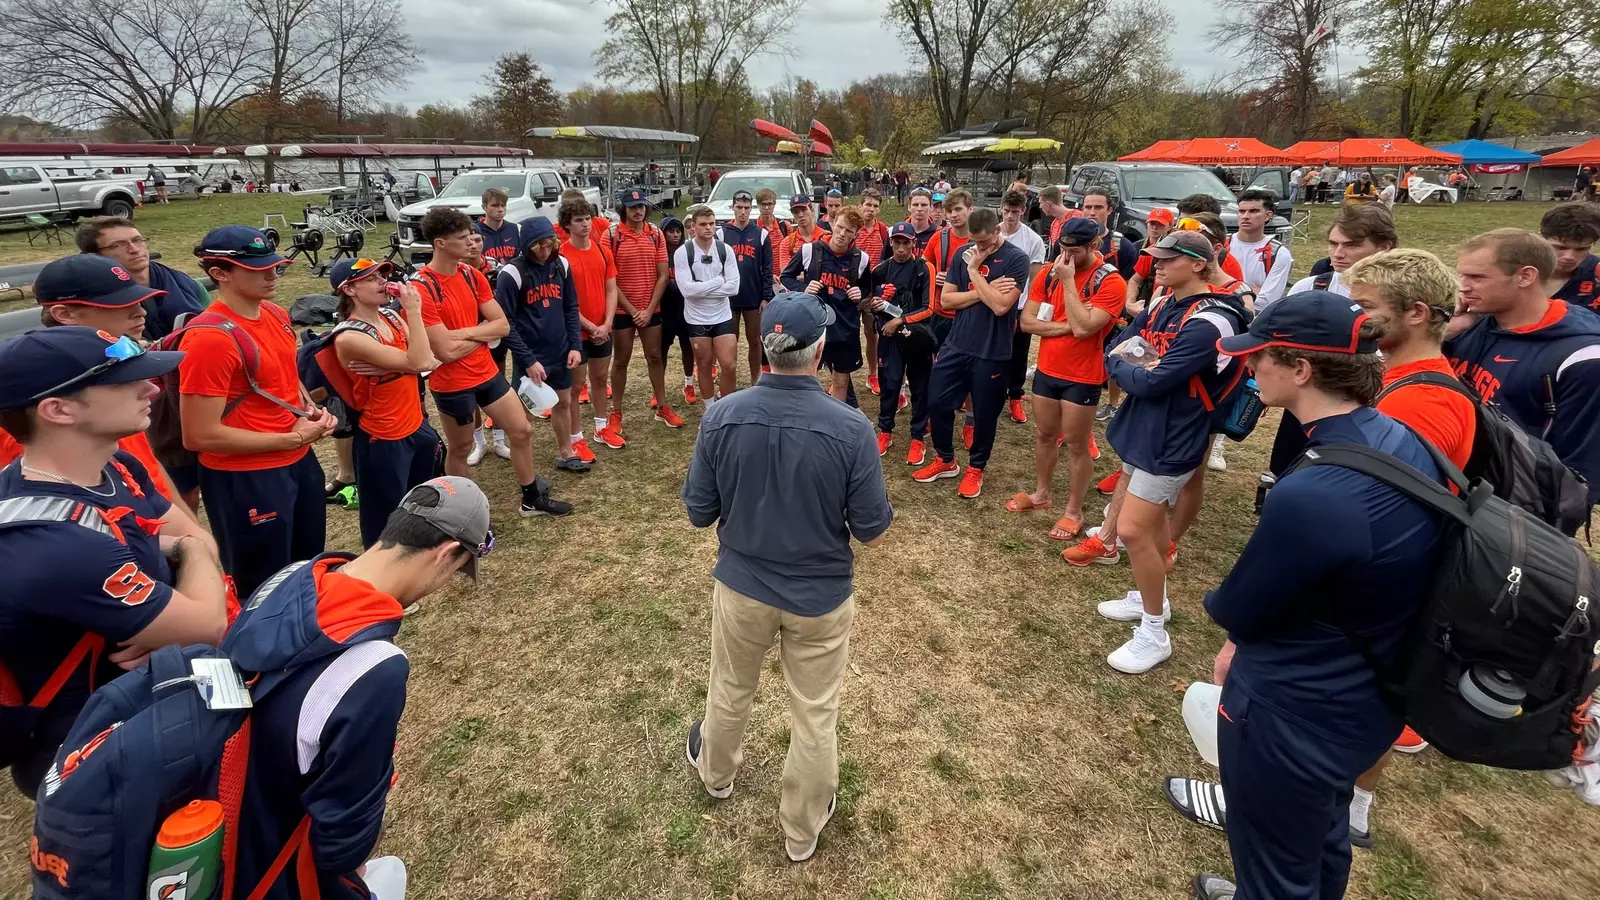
(987, 750)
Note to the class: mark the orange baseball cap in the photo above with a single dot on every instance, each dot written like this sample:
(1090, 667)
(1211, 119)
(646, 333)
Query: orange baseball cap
(1161, 216)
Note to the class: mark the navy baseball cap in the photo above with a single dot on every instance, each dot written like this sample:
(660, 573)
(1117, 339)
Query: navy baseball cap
(1309, 320)
(801, 317)
(903, 230)
(1078, 232)
(799, 200)
(90, 280)
(635, 197)
(347, 270)
(241, 245)
(55, 362)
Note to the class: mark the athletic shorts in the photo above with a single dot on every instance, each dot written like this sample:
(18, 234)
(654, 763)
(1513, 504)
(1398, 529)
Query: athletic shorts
(720, 329)
(185, 478)
(462, 405)
(591, 350)
(1053, 388)
(558, 376)
(624, 321)
(1155, 488)
(498, 353)
(843, 357)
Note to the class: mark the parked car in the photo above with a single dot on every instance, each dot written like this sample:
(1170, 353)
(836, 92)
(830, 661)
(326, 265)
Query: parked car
(532, 192)
(1137, 188)
(785, 182)
(28, 189)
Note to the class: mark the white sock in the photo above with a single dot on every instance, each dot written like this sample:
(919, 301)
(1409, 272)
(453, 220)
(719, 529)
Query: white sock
(1216, 445)
(599, 422)
(1153, 624)
(499, 436)
(1360, 806)
(577, 437)
(477, 436)
(688, 381)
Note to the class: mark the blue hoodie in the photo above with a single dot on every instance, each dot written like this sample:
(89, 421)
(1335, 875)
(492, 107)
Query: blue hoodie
(541, 301)
(754, 250)
(499, 244)
(1163, 427)
(1582, 288)
(838, 273)
(1525, 371)
(322, 740)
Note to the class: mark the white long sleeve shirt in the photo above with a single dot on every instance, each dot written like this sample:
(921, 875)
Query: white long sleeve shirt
(1267, 275)
(706, 286)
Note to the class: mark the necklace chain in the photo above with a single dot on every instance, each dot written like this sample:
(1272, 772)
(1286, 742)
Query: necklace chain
(56, 476)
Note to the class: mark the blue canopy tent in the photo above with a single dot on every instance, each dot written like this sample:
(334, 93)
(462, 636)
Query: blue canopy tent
(1485, 158)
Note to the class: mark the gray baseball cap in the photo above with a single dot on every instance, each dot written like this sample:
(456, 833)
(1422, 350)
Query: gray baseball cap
(799, 317)
(462, 513)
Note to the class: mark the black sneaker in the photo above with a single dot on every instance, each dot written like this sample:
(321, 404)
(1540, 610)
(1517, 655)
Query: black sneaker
(536, 501)
(572, 464)
(691, 752)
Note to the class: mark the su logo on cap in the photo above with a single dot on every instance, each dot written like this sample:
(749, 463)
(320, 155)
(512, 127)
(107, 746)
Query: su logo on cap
(121, 273)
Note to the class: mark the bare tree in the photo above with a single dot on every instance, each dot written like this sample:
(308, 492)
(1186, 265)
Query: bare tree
(370, 50)
(1284, 44)
(173, 68)
(952, 36)
(693, 55)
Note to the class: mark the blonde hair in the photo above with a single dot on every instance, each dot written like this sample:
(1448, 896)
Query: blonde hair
(1407, 277)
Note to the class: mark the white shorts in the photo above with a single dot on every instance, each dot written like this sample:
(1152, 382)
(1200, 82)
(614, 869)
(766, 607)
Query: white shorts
(1150, 488)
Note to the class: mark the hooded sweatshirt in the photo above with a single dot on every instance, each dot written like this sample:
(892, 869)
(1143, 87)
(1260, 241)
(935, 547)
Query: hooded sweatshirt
(754, 250)
(906, 285)
(1163, 427)
(839, 273)
(322, 737)
(1526, 370)
(541, 301)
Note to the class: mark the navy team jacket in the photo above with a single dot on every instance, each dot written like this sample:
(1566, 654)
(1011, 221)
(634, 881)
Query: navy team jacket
(542, 303)
(754, 250)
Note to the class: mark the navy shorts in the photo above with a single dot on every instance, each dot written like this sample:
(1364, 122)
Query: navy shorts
(264, 519)
(185, 478)
(623, 321)
(1053, 388)
(844, 356)
(463, 405)
(591, 350)
(725, 327)
(557, 375)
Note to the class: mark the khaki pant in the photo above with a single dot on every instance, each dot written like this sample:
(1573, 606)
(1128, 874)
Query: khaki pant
(814, 651)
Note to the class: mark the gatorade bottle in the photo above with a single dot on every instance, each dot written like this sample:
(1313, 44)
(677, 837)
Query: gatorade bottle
(188, 853)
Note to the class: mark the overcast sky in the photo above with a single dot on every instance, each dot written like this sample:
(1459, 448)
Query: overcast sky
(459, 40)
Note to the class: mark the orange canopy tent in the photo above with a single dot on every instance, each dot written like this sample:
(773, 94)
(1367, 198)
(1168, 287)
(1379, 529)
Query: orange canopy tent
(1151, 153)
(1585, 154)
(1391, 152)
(1313, 151)
(1225, 152)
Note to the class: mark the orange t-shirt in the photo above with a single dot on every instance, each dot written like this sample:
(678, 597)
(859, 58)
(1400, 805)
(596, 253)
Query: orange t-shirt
(456, 306)
(212, 367)
(939, 260)
(591, 269)
(789, 246)
(1231, 268)
(1081, 360)
(391, 407)
(1447, 419)
(636, 255)
(136, 444)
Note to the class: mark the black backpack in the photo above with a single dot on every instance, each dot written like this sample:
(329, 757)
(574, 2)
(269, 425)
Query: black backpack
(1523, 470)
(722, 255)
(1510, 610)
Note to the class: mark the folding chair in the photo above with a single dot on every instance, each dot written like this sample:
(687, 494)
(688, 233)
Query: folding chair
(41, 226)
(1300, 227)
(1495, 193)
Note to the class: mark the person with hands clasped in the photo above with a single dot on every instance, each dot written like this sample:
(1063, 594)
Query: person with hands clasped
(980, 291)
(101, 568)
(261, 485)
(837, 273)
(1072, 323)
(903, 280)
(384, 352)
(540, 299)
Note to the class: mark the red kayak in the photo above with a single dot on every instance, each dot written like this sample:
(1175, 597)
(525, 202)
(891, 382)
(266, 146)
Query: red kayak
(773, 131)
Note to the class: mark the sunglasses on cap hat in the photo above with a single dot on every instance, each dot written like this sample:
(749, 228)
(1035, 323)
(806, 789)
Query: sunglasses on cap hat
(120, 350)
(483, 549)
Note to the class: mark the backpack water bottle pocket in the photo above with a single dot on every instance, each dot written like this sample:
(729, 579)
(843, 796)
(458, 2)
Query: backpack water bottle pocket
(1243, 413)
(74, 856)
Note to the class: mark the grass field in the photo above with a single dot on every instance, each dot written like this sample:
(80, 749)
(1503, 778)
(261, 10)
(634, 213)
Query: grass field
(987, 749)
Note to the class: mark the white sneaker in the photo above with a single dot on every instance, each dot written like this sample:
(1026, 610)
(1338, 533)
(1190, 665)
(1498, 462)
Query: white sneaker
(1131, 608)
(811, 850)
(1095, 532)
(476, 456)
(1583, 779)
(501, 450)
(1217, 463)
(1143, 652)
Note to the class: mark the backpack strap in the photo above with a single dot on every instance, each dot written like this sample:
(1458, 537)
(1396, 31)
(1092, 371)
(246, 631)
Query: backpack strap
(1322, 281)
(813, 262)
(88, 647)
(1400, 476)
(945, 251)
(29, 510)
(299, 841)
(1434, 379)
(249, 361)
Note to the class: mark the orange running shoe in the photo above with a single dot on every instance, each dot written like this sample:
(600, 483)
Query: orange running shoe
(936, 470)
(582, 449)
(583, 393)
(966, 436)
(885, 438)
(1108, 484)
(610, 438)
(614, 421)
(1018, 414)
(608, 392)
(654, 402)
(1172, 556)
(972, 483)
(1094, 451)
(1091, 550)
(1410, 742)
(917, 453)
(667, 417)
(872, 384)
(689, 395)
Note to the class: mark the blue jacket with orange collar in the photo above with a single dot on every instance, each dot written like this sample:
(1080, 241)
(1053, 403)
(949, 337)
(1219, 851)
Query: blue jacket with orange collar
(751, 245)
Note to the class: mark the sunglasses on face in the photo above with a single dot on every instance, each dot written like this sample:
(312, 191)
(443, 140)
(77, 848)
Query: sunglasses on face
(122, 349)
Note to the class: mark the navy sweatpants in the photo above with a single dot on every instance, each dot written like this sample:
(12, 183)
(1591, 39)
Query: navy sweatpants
(895, 370)
(955, 375)
(1017, 375)
(386, 470)
(265, 519)
(1288, 791)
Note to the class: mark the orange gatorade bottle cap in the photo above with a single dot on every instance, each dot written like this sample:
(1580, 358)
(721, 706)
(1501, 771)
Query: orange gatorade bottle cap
(193, 823)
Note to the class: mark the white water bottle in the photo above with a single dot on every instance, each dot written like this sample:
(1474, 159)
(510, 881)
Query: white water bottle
(1047, 311)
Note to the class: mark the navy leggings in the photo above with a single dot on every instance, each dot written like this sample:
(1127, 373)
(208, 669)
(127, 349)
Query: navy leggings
(895, 369)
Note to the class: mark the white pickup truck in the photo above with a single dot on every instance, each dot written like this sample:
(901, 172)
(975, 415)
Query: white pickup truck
(533, 192)
(26, 189)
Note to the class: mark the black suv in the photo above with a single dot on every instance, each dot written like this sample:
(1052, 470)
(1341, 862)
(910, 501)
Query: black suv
(1136, 188)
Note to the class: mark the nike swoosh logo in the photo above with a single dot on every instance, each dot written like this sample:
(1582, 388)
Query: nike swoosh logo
(1282, 334)
(994, 376)
(1501, 359)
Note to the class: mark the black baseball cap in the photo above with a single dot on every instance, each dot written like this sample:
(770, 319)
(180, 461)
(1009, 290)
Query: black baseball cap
(55, 362)
(1309, 320)
(90, 280)
(798, 316)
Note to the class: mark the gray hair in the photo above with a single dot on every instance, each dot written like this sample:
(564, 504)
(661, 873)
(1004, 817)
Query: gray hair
(784, 355)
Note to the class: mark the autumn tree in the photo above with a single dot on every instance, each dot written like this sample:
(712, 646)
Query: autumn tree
(1284, 46)
(520, 96)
